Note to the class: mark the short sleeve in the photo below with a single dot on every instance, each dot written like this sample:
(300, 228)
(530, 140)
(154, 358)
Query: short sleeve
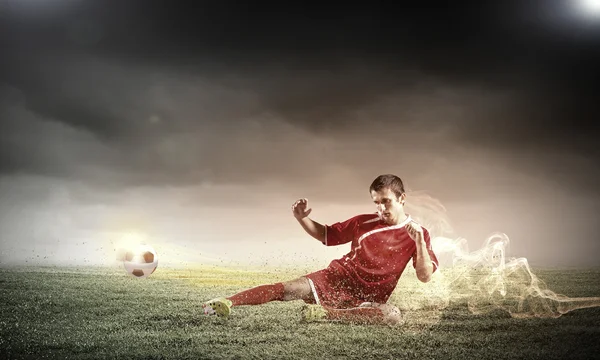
(434, 259)
(340, 232)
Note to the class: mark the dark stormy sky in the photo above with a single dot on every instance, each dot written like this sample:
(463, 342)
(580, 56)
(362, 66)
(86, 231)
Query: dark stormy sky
(195, 128)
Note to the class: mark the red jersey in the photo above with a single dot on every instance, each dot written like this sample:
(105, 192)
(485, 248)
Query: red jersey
(378, 256)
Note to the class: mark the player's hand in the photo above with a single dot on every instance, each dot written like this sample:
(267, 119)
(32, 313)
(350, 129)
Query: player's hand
(300, 210)
(415, 231)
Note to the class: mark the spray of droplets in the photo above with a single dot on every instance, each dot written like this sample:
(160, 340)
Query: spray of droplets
(487, 279)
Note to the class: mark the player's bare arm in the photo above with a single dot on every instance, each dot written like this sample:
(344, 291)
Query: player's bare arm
(423, 266)
(301, 211)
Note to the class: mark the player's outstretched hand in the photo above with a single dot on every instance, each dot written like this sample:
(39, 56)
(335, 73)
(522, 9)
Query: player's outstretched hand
(300, 209)
(415, 231)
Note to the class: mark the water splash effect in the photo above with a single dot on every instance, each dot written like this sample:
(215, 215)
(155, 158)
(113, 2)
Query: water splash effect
(486, 278)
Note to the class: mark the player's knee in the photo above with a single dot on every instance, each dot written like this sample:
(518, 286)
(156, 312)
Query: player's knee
(296, 289)
(289, 291)
(391, 314)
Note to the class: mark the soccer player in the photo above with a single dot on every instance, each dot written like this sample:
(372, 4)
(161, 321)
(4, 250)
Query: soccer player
(356, 287)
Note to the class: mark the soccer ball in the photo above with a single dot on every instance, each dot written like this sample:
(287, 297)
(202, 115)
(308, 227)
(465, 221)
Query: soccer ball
(141, 261)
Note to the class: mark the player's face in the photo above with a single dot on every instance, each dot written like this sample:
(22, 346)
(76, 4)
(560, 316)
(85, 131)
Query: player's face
(389, 206)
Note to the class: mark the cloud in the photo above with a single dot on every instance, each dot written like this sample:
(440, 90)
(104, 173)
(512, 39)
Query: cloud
(114, 125)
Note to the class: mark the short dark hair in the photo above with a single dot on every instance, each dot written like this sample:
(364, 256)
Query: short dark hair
(390, 181)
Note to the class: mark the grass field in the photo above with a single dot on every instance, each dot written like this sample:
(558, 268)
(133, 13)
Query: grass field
(98, 313)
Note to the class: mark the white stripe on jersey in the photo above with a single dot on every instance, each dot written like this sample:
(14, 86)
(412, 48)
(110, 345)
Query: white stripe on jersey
(393, 227)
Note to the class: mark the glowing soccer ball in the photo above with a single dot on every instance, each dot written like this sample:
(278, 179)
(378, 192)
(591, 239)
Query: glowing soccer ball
(140, 261)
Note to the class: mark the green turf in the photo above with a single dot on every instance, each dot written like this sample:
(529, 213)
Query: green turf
(95, 313)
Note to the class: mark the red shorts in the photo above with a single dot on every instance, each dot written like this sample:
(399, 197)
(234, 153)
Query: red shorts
(334, 287)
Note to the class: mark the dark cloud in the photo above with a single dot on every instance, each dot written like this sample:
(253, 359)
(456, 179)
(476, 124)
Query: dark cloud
(459, 41)
(312, 66)
(159, 126)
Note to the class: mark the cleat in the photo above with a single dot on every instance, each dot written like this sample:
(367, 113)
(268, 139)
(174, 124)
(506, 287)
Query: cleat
(219, 307)
(313, 313)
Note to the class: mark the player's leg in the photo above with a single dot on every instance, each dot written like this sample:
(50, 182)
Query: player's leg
(298, 289)
(366, 313)
(255, 296)
(258, 295)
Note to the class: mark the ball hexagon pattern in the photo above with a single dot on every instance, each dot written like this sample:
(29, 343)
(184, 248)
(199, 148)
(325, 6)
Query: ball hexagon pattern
(141, 261)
